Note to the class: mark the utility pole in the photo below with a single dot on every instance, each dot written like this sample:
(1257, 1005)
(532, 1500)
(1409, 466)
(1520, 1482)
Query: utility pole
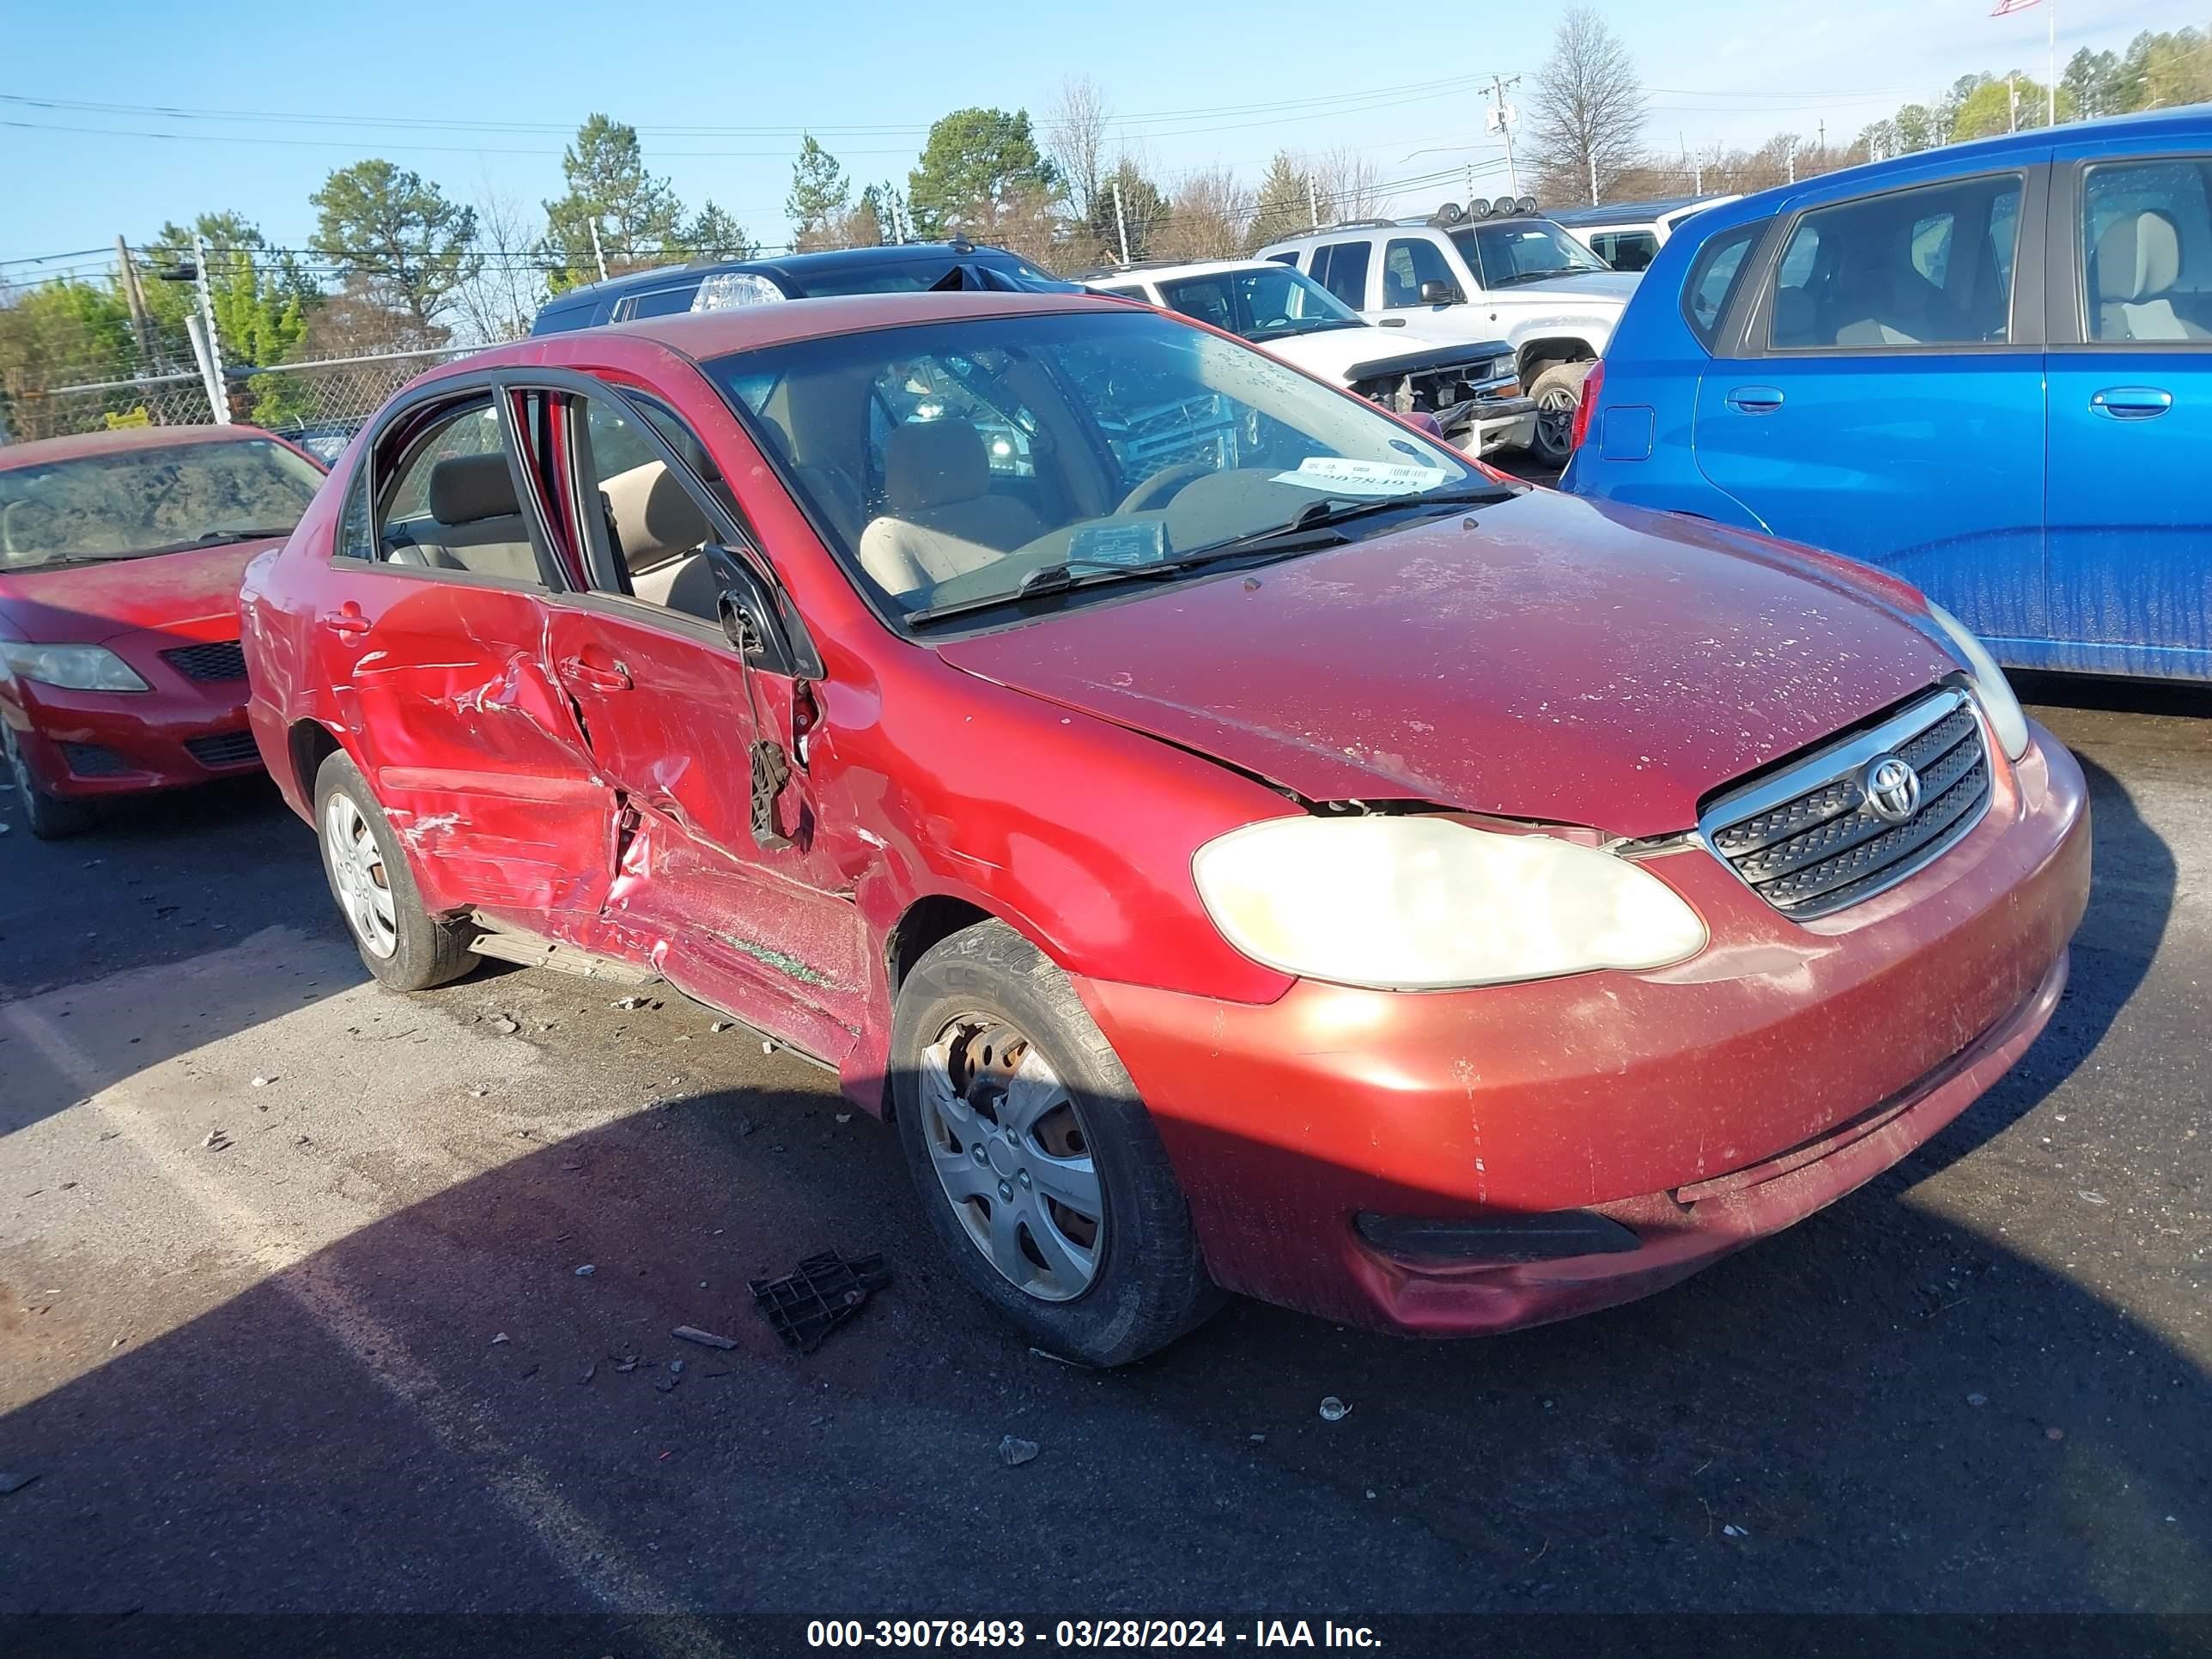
(2012, 102)
(134, 295)
(1121, 221)
(1824, 144)
(1593, 170)
(211, 352)
(2051, 61)
(1313, 204)
(1502, 117)
(599, 252)
(1789, 160)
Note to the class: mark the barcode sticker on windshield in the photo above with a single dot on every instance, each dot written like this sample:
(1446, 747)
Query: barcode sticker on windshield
(1341, 475)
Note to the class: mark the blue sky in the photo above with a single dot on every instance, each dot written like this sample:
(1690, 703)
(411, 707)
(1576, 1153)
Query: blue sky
(1198, 85)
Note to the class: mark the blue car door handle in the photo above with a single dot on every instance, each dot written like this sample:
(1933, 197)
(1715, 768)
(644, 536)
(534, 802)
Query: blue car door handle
(2131, 403)
(1755, 399)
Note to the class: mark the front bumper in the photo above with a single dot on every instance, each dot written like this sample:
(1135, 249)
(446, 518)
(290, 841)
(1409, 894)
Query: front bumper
(183, 730)
(1701, 1106)
(1501, 423)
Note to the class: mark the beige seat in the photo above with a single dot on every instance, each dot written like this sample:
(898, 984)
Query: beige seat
(661, 532)
(479, 524)
(2138, 262)
(942, 519)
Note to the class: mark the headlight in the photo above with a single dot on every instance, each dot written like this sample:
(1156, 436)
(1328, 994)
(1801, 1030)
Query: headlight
(1421, 903)
(726, 290)
(75, 667)
(1990, 686)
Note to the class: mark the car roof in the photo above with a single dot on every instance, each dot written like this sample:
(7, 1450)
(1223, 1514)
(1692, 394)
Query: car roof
(704, 334)
(1626, 212)
(1168, 269)
(827, 262)
(121, 440)
(2191, 124)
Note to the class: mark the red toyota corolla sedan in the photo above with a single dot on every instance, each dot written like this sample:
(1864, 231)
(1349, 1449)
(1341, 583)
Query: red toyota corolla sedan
(1242, 845)
(120, 554)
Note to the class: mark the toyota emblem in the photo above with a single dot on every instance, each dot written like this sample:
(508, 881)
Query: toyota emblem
(1891, 788)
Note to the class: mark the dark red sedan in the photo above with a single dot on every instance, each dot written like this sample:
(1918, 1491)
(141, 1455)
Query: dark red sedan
(1242, 845)
(120, 554)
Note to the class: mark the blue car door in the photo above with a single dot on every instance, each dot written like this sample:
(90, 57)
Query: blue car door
(1885, 398)
(2131, 378)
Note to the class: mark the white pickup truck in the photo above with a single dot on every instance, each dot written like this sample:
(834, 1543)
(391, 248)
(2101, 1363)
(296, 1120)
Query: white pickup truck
(1471, 389)
(1512, 274)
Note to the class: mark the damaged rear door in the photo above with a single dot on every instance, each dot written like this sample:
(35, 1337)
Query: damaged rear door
(433, 640)
(726, 875)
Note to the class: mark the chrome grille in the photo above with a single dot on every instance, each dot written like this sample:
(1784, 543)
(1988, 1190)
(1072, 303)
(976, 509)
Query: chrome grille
(219, 659)
(1808, 841)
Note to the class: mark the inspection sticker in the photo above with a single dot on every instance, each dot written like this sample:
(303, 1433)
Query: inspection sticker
(1341, 475)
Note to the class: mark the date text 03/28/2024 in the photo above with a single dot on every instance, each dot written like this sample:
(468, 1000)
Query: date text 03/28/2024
(1086, 1633)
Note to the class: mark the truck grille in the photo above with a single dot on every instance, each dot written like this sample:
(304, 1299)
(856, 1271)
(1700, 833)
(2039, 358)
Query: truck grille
(1811, 838)
(219, 659)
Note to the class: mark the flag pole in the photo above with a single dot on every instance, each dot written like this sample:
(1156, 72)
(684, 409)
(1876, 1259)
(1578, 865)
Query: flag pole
(2050, 48)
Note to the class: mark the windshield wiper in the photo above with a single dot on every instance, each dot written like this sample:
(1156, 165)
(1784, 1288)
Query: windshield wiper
(1074, 574)
(1331, 511)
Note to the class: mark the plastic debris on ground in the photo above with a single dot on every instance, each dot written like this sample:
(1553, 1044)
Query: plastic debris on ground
(704, 1339)
(1333, 1410)
(821, 1293)
(1014, 1452)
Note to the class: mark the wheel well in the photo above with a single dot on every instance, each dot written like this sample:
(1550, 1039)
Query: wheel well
(1537, 355)
(928, 920)
(311, 744)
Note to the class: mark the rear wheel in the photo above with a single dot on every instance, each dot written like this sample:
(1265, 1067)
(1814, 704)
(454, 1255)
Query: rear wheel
(50, 818)
(1038, 1167)
(1559, 393)
(403, 945)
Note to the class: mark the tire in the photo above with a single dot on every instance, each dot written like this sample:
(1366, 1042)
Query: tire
(399, 942)
(1146, 1284)
(1559, 393)
(48, 818)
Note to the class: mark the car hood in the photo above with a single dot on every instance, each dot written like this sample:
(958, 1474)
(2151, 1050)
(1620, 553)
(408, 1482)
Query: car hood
(86, 604)
(1567, 661)
(1612, 285)
(1334, 353)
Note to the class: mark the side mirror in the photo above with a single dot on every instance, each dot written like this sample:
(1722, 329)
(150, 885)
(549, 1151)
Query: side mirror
(747, 611)
(1434, 293)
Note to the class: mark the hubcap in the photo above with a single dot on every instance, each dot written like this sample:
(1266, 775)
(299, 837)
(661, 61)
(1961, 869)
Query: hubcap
(1013, 1157)
(357, 871)
(1555, 421)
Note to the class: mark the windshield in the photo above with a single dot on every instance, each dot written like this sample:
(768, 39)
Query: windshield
(993, 269)
(137, 501)
(1523, 251)
(948, 462)
(1259, 304)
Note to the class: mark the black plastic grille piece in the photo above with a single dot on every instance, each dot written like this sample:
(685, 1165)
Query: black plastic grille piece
(218, 660)
(825, 1290)
(224, 748)
(89, 760)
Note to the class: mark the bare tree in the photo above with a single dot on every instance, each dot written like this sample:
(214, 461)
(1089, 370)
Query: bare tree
(499, 302)
(1075, 138)
(1588, 110)
(1205, 217)
(1347, 185)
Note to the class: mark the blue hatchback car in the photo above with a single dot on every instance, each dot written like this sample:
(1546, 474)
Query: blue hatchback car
(1987, 368)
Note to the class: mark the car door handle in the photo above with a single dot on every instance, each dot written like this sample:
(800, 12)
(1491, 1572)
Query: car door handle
(2131, 402)
(587, 677)
(1755, 399)
(349, 621)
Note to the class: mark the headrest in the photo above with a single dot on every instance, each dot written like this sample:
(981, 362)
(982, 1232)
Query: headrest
(931, 463)
(470, 488)
(654, 514)
(2138, 257)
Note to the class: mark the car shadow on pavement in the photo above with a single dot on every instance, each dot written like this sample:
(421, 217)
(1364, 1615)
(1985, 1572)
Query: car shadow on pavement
(474, 1401)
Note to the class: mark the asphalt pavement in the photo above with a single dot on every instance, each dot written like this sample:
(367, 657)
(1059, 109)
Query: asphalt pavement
(295, 1311)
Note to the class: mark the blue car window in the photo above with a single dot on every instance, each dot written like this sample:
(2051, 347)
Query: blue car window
(2146, 251)
(1714, 276)
(1930, 266)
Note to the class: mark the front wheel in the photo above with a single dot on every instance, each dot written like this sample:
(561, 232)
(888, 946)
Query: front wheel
(1559, 393)
(50, 818)
(403, 945)
(1038, 1167)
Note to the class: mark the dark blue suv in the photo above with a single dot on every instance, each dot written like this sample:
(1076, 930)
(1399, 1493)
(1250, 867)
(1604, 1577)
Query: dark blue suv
(895, 268)
(1987, 368)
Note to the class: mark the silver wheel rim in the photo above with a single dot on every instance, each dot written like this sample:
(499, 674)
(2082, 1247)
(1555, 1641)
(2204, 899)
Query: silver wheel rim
(1555, 420)
(357, 871)
(1013, 1157)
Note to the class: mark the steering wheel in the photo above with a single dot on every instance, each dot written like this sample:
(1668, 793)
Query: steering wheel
(1160, 487)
